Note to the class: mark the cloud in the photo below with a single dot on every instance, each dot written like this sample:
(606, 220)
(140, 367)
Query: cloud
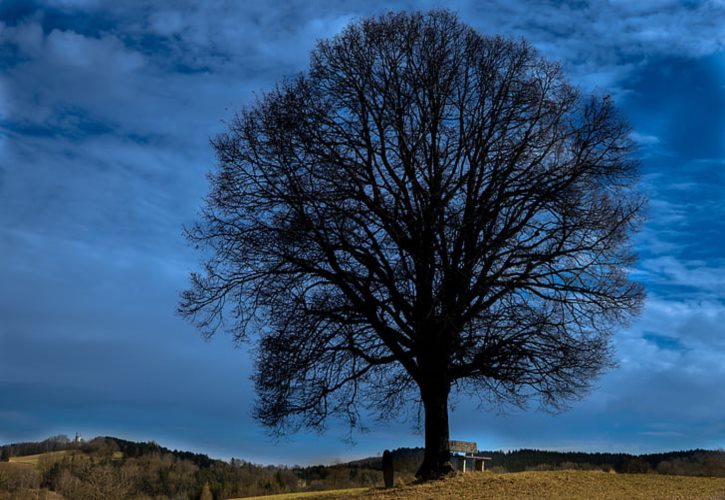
(105, 114)
(167, 23)
(644, 139)
(67, 48)
(64, 72)
(602, 43)
(707, 280)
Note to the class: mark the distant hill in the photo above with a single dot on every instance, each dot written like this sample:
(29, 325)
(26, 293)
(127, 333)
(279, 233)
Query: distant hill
(113, 468)
(98, 444)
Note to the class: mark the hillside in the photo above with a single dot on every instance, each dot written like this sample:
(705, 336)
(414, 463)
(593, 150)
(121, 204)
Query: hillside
(112, 468)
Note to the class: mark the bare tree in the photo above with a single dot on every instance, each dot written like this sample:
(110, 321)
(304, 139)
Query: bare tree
(426, 209)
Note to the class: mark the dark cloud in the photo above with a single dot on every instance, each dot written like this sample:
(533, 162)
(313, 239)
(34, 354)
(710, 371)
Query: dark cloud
(15, 11)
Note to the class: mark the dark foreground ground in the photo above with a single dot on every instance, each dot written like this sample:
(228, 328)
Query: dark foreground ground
(567, 484)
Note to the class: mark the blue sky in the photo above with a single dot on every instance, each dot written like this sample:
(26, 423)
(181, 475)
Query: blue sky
(106, 109)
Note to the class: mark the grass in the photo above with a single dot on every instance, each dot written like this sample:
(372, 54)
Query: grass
(311, 494)
(541, 485)
(33, 459)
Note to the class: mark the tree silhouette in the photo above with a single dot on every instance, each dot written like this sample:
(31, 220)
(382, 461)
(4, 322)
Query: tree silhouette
(425, 210)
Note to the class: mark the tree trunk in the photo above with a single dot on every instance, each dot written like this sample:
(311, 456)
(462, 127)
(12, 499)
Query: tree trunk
(436, 462)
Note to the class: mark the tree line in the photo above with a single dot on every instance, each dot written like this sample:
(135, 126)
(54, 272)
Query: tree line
(696, 462)
(110, 468)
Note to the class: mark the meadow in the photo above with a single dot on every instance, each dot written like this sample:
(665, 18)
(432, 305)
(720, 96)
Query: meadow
(567, 484)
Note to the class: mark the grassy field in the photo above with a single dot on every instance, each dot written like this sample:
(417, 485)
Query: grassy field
(33, 459)
(541, 485)
(349, 493)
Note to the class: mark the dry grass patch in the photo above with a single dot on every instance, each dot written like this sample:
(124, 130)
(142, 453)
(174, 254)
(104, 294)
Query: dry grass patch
(347, 493)
(33, 459)
(31, 494)
(556, 485)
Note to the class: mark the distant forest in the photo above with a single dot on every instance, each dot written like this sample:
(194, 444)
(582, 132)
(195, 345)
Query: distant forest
(687, 463)
(110, 468)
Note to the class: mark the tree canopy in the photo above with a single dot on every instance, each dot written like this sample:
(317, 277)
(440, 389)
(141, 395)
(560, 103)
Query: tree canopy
(424, 209)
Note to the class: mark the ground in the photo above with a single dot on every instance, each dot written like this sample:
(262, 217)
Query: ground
(545, 485)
